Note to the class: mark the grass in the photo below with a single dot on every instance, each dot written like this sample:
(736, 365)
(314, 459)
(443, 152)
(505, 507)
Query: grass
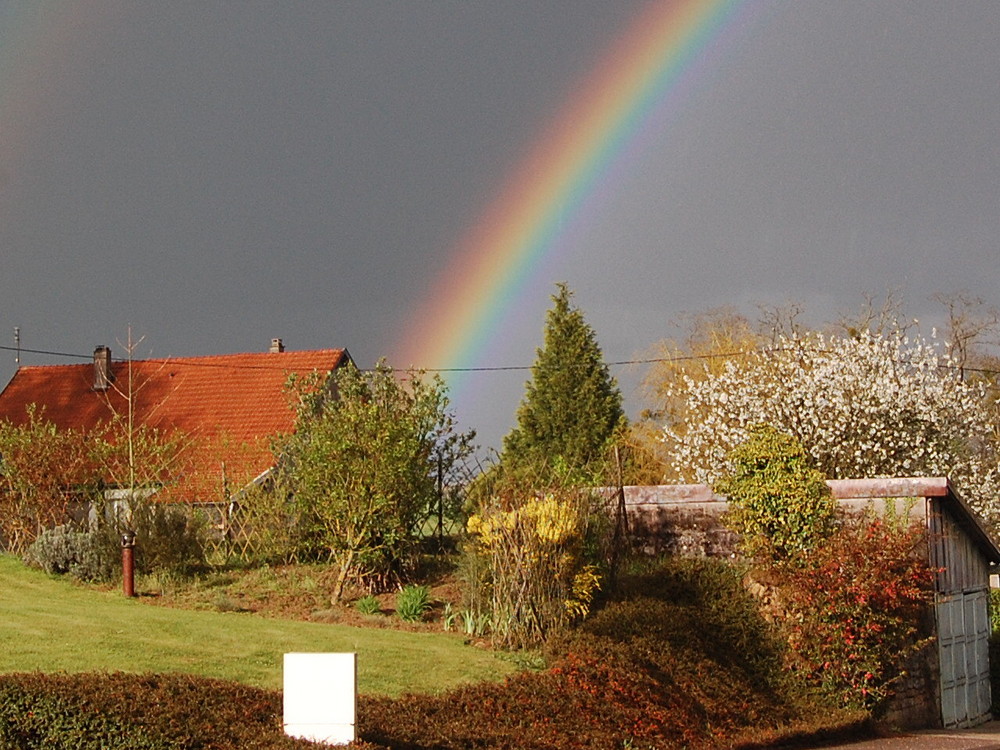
(678, 657)
(52, 625)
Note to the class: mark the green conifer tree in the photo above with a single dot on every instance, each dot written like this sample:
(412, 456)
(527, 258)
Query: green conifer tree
(571, 405)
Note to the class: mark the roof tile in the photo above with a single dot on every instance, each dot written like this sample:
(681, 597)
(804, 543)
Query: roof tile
(239, 398)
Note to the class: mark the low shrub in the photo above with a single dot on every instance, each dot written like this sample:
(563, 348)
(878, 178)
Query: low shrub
(699, 606)
(66, 550)
(169, 537)
(853, 608)
(368, 605)
(849, 591)
(412, 602)
(680, 658)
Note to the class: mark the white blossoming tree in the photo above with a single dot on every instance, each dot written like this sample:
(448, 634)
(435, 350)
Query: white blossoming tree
(862, 406)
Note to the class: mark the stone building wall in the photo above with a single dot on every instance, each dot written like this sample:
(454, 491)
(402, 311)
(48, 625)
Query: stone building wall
(679, 520)
(916, 703)
(688, 530)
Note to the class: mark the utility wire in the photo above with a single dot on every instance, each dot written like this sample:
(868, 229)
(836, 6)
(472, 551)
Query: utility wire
(22, 350)
(188, 362)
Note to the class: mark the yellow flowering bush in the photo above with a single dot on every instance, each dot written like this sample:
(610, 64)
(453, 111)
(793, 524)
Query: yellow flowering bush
(552, 521)
(585, 583)
(535, 557)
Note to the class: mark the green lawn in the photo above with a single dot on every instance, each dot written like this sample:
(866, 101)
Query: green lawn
(49, 624)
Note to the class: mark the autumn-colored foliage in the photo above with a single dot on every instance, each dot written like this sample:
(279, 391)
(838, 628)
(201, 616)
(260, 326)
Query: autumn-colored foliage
(851, 591)
(854, 609)
(40, 469)
(120, 711)
(681, 658)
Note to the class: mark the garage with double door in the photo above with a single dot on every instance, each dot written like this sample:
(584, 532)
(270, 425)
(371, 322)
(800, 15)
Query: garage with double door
(961, 611)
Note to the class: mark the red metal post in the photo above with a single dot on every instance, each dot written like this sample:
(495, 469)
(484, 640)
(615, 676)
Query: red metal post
(128, 563)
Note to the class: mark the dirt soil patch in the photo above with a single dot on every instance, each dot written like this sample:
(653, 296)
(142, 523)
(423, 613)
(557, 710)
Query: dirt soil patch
(299, 592)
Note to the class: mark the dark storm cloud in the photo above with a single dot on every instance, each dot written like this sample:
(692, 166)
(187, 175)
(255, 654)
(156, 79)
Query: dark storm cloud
(218, 174)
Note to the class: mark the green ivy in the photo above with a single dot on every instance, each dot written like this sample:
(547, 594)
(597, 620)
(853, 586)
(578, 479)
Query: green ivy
(778, 503)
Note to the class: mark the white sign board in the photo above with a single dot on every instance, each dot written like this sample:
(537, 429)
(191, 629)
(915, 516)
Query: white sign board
(320, 697)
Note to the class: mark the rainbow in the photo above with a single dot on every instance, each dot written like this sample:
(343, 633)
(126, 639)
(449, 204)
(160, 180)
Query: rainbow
(20, 60)
(38, 44)
(604, 118)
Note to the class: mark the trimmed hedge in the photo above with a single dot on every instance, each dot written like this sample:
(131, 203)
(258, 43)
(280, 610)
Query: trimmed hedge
(118, 711)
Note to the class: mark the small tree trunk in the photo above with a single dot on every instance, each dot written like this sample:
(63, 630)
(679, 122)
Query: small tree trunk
(346, 561)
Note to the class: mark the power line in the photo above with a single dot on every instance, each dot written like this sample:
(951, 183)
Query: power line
(22, 350)
(188, 362)
(176, 361)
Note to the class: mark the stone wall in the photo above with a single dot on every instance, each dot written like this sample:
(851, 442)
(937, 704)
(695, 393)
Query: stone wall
(681, 520)
(917, 700)
(688, 530)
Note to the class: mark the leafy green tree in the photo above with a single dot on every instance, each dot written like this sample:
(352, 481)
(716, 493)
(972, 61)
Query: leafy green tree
(363, 464)
(572, 406)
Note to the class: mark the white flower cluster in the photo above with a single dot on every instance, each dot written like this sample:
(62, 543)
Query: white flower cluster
(871, 406)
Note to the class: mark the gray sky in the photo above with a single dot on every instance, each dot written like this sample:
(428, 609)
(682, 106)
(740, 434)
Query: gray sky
(216, 174)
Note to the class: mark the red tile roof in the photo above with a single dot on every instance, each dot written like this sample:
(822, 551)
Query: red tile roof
(239, 398)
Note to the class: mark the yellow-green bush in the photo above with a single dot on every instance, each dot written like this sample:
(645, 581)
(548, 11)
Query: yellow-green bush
(538, 576)
(778, 503)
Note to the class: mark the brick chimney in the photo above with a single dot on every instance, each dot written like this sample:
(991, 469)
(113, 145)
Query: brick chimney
(277, 346)
(102, 368)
